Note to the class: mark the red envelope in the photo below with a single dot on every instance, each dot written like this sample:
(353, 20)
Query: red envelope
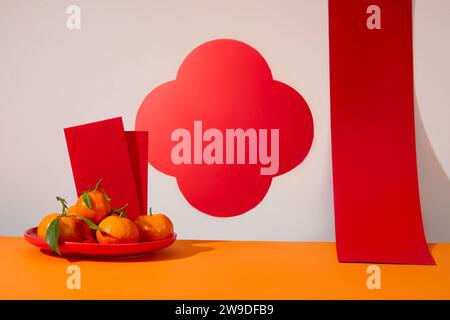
(138, 151)
(104, 150)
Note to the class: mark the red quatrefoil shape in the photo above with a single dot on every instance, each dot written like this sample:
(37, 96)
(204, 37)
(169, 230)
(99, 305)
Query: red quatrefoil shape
(222, 86)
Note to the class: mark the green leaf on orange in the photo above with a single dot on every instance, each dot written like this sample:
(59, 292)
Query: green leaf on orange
(87, 200)
(90, 224)
(52, 235)
(106, 195)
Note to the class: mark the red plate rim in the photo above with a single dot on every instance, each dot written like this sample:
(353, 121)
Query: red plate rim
(98, 249)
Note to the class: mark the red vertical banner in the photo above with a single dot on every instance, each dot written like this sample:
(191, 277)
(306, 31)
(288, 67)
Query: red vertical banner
(376, 196)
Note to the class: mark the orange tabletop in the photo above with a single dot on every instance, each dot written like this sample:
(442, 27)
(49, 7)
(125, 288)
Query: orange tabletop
(218, 270)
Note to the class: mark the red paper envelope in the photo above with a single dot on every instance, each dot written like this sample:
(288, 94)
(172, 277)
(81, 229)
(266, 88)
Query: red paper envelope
(103, 150)
(138, 151)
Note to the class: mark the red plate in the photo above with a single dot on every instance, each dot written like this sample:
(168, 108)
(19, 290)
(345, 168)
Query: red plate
(96, 250)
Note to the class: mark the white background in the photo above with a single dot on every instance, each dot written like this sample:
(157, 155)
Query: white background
(51, 78)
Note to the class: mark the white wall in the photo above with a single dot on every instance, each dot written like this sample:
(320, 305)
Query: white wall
(51, 78)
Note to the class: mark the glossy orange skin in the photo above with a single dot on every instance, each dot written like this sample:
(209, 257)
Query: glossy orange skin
(89, 234)
(100, 207)
(72, 211)
(118, 230)
(154, 227)
(70, 228)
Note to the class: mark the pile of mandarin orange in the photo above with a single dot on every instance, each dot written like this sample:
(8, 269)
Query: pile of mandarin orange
(93, 219)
